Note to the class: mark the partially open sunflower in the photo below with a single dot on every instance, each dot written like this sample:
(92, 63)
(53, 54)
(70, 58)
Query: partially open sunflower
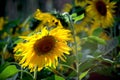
(46, 19)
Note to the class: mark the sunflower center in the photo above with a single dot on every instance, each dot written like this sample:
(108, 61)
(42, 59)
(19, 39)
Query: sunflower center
(44, 45)
(101, 7)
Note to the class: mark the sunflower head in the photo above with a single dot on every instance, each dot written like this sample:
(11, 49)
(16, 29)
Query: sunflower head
(44, 45)
(101, 7)
(101, 11)
(43, 49)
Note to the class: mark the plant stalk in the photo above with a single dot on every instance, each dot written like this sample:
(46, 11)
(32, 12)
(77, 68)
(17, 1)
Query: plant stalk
(35, 72)
(75, 43)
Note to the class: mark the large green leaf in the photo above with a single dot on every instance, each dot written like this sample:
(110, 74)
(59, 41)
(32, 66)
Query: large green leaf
(96, 39)
(9, 71)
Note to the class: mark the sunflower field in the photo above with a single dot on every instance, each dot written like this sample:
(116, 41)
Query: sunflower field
(77, 40)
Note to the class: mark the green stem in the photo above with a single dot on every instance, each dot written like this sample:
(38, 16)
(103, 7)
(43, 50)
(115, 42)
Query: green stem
(27, 73)
(75, 43)
(57, 72)
(15, 63)
(35, 72)
(2, 59)
(69, 67)
(4, 50)
(26, 21)
(21, 73)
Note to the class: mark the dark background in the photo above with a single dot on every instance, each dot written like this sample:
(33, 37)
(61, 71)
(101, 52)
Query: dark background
(14, 9)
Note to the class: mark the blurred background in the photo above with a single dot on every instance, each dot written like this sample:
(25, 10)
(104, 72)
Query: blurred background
(14, 9)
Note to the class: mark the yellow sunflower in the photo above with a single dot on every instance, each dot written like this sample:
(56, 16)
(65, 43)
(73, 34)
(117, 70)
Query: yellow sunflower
(47, 20)
(102, 11)
(43, 49)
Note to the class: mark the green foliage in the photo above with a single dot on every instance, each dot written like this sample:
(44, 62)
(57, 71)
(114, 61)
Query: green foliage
(2, 67)
(95, 39)
(82, 75)
(8, 72)
(77, 18)
(11, 25)
(95, 55)
(18, 41)
(97, 31)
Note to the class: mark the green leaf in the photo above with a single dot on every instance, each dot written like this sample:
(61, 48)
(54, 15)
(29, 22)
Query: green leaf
(89, 46)
(97, 32)
(74, 15)
(18, 52)
(18, 41)
(82, 75)
(110, 45)
(79, 17)
(105, 60)
(86, 65)
(8, 72)
(2, 67)
(2, 44)
(59, 78)
(69, 60)
(10, 25)
(97, 39)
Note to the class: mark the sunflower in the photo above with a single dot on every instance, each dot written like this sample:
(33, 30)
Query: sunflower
(102, 11)
(47, 20)
(43, 49)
